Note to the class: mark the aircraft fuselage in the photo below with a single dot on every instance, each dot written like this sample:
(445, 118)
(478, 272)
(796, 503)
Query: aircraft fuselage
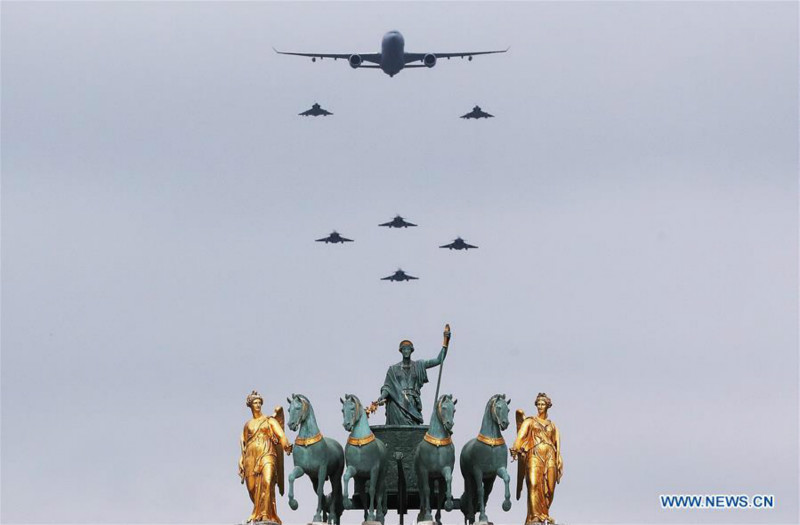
(392, 53)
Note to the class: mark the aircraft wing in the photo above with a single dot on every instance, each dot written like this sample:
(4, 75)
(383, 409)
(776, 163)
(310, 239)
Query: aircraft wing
(367, 57)
(389, 224)
(408, 223)
(306, 113)
(409, 277)
(486, 115)
(451, 245)
(413, 57)
(390, 278)
(468, 246)
(326, 239)
(345, 240)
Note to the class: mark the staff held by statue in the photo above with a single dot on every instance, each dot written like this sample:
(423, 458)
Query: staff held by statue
(445, 345)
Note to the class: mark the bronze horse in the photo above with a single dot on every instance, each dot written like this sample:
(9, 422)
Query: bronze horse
(321, 458)
(434, 458)
(483, 459)
(365, 456)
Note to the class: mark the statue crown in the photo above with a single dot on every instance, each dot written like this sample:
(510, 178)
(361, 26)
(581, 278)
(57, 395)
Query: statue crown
(252, 397)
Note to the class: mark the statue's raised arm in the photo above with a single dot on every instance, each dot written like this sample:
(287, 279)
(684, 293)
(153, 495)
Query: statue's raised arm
(430, 363)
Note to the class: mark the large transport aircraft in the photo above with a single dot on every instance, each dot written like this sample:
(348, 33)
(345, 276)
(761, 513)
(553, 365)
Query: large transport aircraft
(392, 59)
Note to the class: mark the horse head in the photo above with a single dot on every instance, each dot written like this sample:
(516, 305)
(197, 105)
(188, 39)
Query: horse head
(351, 411)
(445, 411)
(299, 406)
(498, 407)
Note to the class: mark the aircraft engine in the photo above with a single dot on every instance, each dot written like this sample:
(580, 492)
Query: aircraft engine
(355, 61)
(429, 60)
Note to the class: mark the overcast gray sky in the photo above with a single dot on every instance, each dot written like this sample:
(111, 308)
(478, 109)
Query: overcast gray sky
(635, 201)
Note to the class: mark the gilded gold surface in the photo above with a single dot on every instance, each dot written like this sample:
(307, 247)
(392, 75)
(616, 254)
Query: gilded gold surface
(359, 442)
(538, 446)
(373, 407)
(261, 463)
(439, 442)
(493, 442)
(304, 442)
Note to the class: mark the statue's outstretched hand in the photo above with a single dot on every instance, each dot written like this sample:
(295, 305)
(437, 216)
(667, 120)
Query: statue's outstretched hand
(373, 407)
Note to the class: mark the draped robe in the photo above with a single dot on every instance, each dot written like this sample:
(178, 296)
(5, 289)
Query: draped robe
(402, 388)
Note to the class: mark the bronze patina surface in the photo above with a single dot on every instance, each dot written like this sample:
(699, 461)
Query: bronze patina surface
(402, 386)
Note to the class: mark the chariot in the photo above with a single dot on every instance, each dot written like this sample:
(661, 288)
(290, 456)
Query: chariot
(402, 492)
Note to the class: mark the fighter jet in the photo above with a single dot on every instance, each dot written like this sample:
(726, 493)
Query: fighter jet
(399, 275)
(397, 222)
(334, 237)
(458, 244)
(315, 111)
(477, 113)
(392, 59)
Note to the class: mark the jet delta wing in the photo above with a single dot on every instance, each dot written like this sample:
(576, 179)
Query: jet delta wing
(398, 276)
(398, 222)
(392, 59)
(458, 244)
(477, 112)
(334, 237)
(315, 111)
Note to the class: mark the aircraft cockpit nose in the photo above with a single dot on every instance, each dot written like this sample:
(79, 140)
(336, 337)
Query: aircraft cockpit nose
(393, 35)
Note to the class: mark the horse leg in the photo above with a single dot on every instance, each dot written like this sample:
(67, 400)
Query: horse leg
(447, 472)
(293, 475)
(439, 497)
(503, 474)
(322, 473)
(468, 500)
(335, 506)
(381, 499)
(349, 472)
(478, 477)
(488, 485)
(362, 490)
(424, 494)
(373, 490)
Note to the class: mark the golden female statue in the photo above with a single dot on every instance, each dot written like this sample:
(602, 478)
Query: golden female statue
(261, 463)
(538, 446)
